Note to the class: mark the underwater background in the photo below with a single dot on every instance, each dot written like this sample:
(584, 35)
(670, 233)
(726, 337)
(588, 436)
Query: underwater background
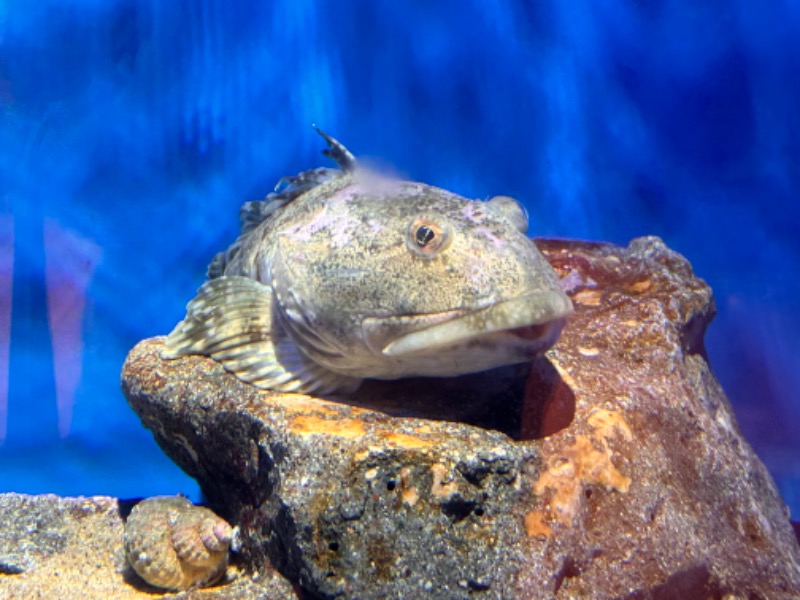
(132, 130)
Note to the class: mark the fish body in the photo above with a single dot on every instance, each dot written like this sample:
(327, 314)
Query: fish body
(346, 275)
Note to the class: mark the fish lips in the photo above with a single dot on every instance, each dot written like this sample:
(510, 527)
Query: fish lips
(532, 321)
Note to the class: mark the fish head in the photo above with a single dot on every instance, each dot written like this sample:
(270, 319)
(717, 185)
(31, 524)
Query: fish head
(385, 279)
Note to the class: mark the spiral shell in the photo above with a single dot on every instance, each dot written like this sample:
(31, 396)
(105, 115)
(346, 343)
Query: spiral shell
(175, 545)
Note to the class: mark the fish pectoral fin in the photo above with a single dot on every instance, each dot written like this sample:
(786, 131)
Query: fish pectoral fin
(227, 313)
(231, 320)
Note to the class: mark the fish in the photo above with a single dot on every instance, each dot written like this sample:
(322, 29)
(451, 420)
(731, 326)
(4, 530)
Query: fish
(344, 274)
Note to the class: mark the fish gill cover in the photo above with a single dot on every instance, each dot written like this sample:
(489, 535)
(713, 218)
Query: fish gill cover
(132, 131)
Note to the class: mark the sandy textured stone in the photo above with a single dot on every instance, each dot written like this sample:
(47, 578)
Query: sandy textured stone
(611, 468)
(71, 548)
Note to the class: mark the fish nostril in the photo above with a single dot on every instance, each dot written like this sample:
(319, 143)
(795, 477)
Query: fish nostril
(512, 210)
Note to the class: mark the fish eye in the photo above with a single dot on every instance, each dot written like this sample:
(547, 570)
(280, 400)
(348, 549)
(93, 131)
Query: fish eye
(424, 236)
(428, 237)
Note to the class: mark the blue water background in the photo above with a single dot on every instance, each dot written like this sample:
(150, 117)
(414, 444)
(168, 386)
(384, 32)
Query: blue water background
(132, 130)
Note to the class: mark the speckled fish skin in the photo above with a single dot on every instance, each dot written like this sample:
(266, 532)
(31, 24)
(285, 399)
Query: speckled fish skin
(175, 545)
(351, 275)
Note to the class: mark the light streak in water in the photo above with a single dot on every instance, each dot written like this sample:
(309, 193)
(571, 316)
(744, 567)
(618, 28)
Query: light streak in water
(70, 261)
(6, 292)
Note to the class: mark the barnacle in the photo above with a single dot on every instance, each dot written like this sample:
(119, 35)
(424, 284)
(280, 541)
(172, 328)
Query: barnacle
(175, 545)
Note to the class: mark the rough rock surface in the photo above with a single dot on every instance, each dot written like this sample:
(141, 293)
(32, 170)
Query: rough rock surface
(71, 548)
(615, 470)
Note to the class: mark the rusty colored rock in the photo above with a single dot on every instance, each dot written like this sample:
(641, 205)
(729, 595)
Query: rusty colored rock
(610, 468)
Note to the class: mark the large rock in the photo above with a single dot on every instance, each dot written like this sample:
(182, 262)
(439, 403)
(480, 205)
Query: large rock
(613, 469)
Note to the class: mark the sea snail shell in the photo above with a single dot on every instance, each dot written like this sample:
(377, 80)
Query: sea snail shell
(174, 545)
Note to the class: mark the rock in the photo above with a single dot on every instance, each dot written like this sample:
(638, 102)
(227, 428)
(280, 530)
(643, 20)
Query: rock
(72, 548)
(610, 468)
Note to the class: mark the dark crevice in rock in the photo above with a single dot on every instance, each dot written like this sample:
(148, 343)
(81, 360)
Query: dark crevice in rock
(492, 399)
(242, 469)
(523, 401)
(549, 403)
(475, 473)
(8, 569)
(687, 584)
(477, 586)
(458, 508)
(569, 568)
(125, 507)
(304, 594)
(283, 547)
(693, 334)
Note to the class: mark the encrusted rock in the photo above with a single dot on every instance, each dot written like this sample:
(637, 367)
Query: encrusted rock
(613, 469)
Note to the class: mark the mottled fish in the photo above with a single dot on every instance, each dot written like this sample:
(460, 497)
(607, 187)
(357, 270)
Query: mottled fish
(344, 274)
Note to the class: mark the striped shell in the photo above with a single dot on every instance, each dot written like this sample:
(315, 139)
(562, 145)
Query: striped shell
(174, 545)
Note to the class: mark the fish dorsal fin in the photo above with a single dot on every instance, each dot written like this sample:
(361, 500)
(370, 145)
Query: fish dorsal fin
(231, 320)
(253, 213)
(337, 151)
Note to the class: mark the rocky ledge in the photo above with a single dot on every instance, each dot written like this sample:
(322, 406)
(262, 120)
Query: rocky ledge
(612, 467)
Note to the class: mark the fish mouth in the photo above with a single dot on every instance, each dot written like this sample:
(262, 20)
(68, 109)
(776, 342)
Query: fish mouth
(532, 321)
